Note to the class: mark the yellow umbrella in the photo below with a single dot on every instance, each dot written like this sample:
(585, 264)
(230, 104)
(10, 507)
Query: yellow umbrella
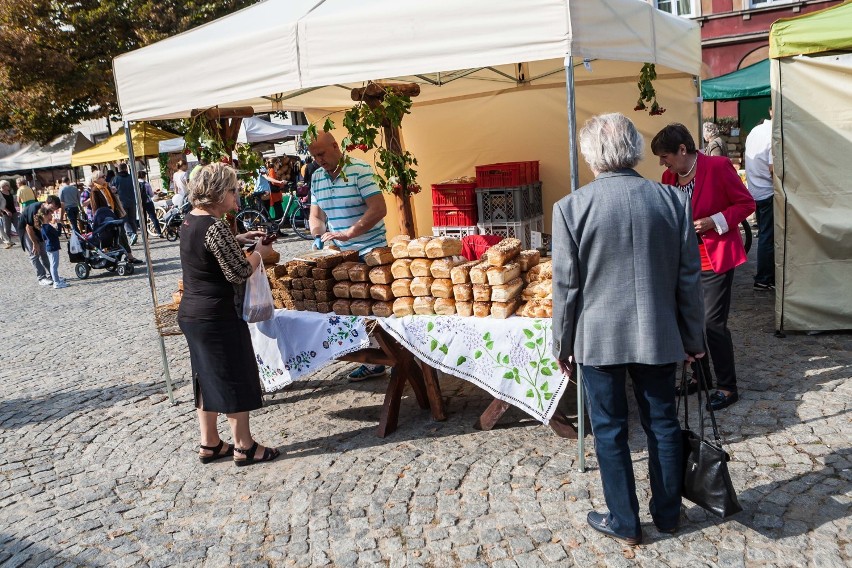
(146, 142)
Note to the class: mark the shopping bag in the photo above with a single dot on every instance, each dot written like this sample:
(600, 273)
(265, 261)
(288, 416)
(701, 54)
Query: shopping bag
(258, 304)
(706, 480)
(74, 246)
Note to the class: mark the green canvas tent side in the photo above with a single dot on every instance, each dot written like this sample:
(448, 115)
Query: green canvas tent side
(811, 78)
(746, 83)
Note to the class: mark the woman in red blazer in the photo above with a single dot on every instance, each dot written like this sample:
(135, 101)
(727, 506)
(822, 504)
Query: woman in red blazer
(720, 202)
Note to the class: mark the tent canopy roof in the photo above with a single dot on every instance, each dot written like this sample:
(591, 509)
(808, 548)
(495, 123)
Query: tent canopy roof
(817, 32)
(252, 131)
(56, 153)
(274, 53)
(146, 140)
(746, 83)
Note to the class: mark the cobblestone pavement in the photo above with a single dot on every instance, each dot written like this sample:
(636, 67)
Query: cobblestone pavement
(98, 469)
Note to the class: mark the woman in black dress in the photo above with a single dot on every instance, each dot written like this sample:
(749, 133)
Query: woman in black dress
(224, 371)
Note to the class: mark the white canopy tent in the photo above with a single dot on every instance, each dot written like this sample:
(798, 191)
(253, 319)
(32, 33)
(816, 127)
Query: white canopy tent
(489, 71)
(55, 154)
(252, 131)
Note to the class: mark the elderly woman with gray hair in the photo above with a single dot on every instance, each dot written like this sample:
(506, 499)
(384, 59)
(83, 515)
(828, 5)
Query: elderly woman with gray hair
(225, 378)
(627, 300)
(715, 145)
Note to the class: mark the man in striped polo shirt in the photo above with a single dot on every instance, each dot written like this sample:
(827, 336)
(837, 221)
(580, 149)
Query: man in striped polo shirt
(348, 210)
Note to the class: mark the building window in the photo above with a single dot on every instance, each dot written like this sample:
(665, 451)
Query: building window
(680, 7)
(766, 3)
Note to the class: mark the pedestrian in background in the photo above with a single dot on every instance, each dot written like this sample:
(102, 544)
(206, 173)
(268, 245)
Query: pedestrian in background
(759, 173)
(126, 192)
(627, 300)
(180, 178)
(714, 145)
(50, 237)
(31, 239)
(720, 203)
(8, 214)
(69, 195)
(146, 194)
(26, 196)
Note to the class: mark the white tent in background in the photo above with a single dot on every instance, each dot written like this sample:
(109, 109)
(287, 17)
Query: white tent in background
(55, 154)
(252, 131)
(497, 77)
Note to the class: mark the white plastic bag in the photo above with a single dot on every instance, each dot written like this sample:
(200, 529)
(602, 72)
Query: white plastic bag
(258, 304)
(74, 246)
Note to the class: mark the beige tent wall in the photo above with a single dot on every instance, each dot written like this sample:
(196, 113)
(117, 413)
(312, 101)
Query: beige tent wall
(449, 138)
(812, 137)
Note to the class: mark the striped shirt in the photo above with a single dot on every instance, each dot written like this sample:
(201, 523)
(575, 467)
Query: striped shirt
(343, 203)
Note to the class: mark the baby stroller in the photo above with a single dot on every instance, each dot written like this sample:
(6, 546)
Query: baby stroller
(173, 219)
(100, 249)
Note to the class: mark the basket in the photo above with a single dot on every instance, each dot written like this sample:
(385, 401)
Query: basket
(507, 174)
(520, 230)
(165, 316)
(456, 232)
(458, 194)
(454, 215)
(504, 204)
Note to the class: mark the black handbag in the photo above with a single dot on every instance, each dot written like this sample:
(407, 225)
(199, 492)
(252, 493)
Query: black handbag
(706, 480)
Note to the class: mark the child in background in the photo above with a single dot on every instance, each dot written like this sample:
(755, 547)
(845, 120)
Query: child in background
(50, 235)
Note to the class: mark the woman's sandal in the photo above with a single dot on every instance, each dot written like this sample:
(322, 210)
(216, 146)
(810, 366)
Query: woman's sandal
(215, 455)
(269, 454)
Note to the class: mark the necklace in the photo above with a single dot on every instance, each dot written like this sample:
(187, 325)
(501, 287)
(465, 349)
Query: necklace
(690, 169)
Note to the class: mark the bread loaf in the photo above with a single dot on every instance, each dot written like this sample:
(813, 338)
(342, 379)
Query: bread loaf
(528, 258)
(442, 288)
(309, 294)
(421, 285)
(441, 267)
(424, 305)
(537, 290)
(341, 289)
(463, 292)
(341, 271)
(464, 309)
(360, 290)
(381, 274)
(378, 256)
(481, 293)
(403, 307)
(293, 268)
(541, 271)
(359, 272)
(299, 305)
(361, 307)
(324, 307)
(300, 294)
(421, 267)
(502, 310)
(501, 274)
(503, 252)
(324, 296)
(401, 268)
(333, 260)
(536, 309)
(297, 283)
(286, 282)
(381, 292)
(303, 270)
(383, 309)
(482, 309)
(507, 292)
(401, 288)
(399, 249)
(324, 285)
(478, 274)
(443, 246)
(445, 306)
(417, 247)
(400, 239)
(321, 273)
(460, 274)
(311, 305)
(279, 271)
(341, 307)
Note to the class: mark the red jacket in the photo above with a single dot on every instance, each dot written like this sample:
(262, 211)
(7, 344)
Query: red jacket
(719, 189)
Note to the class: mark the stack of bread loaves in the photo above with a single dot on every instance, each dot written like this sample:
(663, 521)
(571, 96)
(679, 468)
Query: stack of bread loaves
(363, 288)
(282, 286)
(421, 271)
(538, 294)
(495, 281)
(311, 284)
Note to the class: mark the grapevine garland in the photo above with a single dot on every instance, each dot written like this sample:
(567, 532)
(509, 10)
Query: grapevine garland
(647, 93)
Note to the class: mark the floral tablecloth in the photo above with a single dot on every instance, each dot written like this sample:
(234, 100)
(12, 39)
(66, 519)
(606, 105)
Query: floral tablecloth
(293, 344)
(510, 358)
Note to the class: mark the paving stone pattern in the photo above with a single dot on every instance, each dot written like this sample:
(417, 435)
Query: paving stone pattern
(98, 469)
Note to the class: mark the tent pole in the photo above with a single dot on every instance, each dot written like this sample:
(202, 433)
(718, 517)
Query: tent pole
(696, 80)
(143, 228)
(575, 184)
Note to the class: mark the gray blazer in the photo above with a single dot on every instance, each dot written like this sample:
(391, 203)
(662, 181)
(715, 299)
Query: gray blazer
(626, 273)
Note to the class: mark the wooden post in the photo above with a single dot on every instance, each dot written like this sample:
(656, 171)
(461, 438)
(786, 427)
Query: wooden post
(373, 94)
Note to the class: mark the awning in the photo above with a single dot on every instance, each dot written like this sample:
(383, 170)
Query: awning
(746, 83)
(55, 154)
(252, 131)
(817, 32)
(146, 142)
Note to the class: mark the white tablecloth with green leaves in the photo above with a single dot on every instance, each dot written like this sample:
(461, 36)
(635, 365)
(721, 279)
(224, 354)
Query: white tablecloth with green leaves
(510, 358)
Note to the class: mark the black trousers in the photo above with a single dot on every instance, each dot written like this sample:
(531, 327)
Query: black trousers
(717, 305)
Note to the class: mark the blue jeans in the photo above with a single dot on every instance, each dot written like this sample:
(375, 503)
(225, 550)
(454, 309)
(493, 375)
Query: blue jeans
(654, 388)
(765, 242)
(53, 259)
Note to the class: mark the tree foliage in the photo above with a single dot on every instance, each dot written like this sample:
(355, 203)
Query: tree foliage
(56, 56)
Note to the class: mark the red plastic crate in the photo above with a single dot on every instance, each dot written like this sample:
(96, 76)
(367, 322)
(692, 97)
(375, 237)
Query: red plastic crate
(507, 174)
(454, 215)
(458, 194)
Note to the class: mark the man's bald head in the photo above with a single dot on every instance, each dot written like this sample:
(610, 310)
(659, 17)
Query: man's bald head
(325, 151)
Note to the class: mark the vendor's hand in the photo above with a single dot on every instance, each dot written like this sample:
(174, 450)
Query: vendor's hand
(567, 368)
(336, 235)
(691, 358)
(250, 237)
(318, 243)
(703, 225)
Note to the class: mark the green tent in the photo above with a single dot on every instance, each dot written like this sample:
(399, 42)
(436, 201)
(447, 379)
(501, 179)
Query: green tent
(746, 83)
(817, 32)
